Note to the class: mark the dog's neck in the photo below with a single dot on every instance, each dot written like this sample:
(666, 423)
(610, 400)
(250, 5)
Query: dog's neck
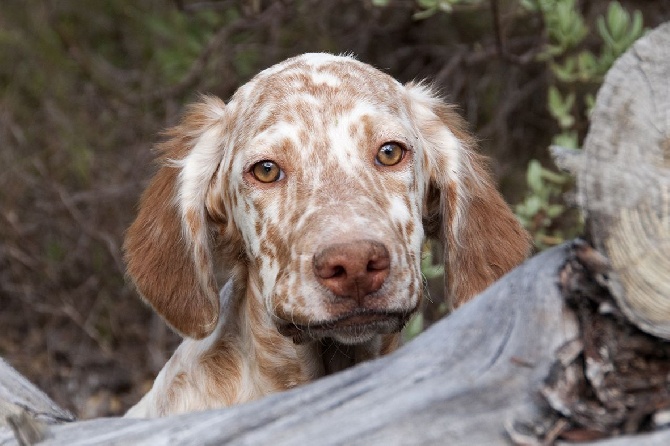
(246, 358)
(278, 363)
(273, 361)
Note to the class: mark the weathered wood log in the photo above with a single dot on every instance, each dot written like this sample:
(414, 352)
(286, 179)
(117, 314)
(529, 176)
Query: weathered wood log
(613, 379)
(24, 409)
(460, 382)
(545, 353)
(623, 180)
(473, 378)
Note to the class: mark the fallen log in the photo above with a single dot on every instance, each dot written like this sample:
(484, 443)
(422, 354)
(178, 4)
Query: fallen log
(559, 349)
(461, 379)
(24, 409)
(473, 378)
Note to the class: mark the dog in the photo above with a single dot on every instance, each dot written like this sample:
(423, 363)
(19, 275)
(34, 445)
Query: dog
(314, 188)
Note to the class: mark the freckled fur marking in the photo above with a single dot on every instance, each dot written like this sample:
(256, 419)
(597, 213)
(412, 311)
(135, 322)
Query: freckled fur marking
(322, 118)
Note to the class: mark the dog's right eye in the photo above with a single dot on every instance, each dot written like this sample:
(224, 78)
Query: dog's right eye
(390, 154)
(267, 171)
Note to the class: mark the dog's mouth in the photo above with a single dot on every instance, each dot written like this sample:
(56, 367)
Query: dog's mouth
(351, 328)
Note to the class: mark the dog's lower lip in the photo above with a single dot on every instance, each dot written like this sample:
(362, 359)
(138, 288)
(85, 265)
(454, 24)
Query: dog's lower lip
(356, 319)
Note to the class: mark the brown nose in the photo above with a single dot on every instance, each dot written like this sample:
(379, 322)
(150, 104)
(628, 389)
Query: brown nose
(353, 269)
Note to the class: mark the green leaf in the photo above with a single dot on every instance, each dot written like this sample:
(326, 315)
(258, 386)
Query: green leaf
(618, 31)
(520, 211)
(554, 177)
(569, 101)
(380, 3)
(604, 32)
(566, 24)
(413, 327)
(587, 65)
(565, 72)
(549, 52)
(530, 5)
(428, 269)
(534, 204)
(555, 101)
(433, 271)
(617, 21)
(606, 59)
(554, 210)
(560, 108)
(636, 29)
(446, 5)
(590, 101)
(421, 15)
(567, 139)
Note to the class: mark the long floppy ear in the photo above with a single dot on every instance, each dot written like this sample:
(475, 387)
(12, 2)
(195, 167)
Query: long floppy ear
(482, 238)
(167, 248)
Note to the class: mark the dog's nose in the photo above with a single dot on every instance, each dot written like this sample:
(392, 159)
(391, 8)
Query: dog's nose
(353, 269)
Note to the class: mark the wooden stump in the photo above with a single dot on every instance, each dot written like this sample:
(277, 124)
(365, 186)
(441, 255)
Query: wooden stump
(623, 180)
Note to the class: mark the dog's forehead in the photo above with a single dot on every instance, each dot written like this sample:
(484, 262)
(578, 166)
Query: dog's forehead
(311, 104)
(330, 84)
(328, 70)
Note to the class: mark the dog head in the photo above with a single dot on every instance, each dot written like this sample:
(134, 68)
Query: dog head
(321, 176)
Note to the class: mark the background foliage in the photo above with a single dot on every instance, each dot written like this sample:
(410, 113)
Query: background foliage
(85, 87)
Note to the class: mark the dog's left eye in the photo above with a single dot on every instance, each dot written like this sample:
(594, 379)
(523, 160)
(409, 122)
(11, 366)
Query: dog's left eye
(390, 154)
(267, 171)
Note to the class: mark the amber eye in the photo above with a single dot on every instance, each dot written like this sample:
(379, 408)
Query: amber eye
(266, 171)
(390, 154)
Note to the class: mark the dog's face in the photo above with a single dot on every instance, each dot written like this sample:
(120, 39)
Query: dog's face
(321, 175)
(324, 159)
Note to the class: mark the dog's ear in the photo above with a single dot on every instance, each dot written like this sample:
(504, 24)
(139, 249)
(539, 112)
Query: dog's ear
(482, 238)
(168, 247)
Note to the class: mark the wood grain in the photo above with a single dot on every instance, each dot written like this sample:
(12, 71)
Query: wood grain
(624, 180)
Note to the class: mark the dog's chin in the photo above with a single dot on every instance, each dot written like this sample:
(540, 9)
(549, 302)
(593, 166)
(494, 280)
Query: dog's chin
(351, 329)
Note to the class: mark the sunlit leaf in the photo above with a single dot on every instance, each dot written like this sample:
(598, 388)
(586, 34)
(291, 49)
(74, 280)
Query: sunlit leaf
(554, 210)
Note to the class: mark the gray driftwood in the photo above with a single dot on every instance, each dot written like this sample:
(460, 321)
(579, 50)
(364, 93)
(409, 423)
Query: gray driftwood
(460, 382)
(508, 366)
(473, 378)
(24, 409)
